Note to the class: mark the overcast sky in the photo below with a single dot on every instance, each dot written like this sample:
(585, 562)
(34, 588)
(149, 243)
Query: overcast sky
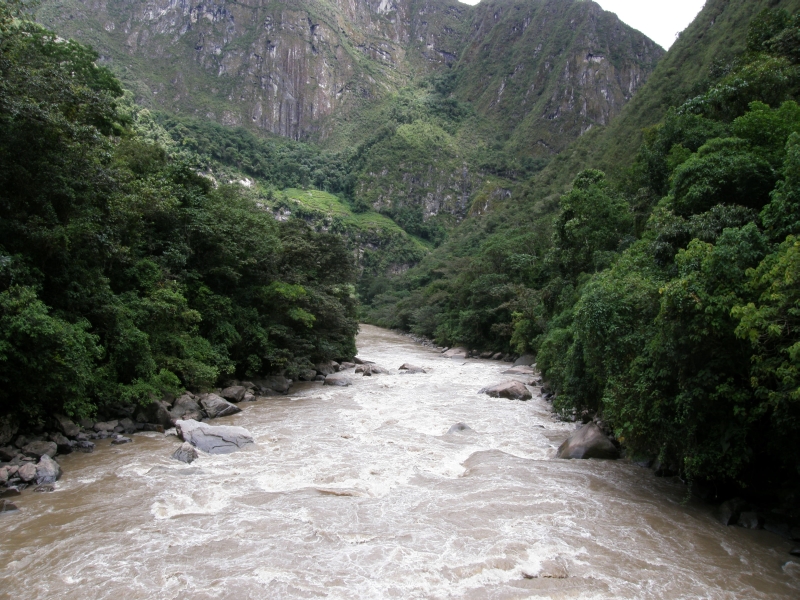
(658, 19)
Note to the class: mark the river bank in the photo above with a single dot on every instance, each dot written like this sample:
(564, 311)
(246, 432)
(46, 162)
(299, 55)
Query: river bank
(361, 492)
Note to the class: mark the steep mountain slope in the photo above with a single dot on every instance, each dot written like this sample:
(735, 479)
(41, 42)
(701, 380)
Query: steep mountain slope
(558, 66)
(703, 51)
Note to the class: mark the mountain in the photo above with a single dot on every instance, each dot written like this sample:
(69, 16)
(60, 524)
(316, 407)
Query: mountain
(555, 67)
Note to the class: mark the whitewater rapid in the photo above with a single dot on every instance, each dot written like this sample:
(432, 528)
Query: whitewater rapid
(360, 492)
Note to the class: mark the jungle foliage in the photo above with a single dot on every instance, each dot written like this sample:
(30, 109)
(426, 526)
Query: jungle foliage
(664, 297)
(125, 274)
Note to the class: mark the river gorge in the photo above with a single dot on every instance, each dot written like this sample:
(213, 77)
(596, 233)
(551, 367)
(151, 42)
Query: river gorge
(360, 492)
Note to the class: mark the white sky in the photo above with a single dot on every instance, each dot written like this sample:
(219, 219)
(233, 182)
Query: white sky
(658, 19)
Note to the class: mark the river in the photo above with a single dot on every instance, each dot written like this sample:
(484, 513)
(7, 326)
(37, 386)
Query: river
(359, 492)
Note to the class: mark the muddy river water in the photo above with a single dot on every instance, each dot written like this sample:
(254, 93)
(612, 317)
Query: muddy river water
(359, 492)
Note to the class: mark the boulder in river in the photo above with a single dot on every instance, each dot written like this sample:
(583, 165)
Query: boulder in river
(27, 472)
(3, 475)
(750, 520)
(369, 370)
(460, 428)
(307, 375)
(325, 368)
(62, 443)
(588, 442)
(513, 390)
(728, 512)
(339, 379)
(66, 426)
(525, 360)
(185, 453)
(184, 406)
(217, 407)
(47, 471)
(105, 426)
(278, 383)
(361, 361)
(7, 507)
(38, 449)
(214, 439)
(411, 369)
(458, 353)
(234, 393)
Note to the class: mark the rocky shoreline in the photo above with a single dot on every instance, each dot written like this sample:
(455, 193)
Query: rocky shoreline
(31, 459)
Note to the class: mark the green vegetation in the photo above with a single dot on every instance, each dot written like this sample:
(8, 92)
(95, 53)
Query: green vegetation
(125, 274)
(664, 297)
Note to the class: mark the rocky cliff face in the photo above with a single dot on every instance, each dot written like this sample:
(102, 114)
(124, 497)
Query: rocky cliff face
(547, 71)
(558, 67)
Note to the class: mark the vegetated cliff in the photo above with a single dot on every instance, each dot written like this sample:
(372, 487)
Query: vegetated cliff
(556, 67)
(703, 51)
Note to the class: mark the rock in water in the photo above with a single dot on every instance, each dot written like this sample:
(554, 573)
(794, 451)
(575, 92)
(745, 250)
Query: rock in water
(27, 472)
(47, 471)
(67, 427)
(339, 379)
(513, 390)
(728, 512)
(7, 507)
(37, 449)
(458, 353)
(278, 383)
(525, 360)
(186, 453)
(588, 442)
(214, 439)
(217, 407)
(460, 428)
(234, 393)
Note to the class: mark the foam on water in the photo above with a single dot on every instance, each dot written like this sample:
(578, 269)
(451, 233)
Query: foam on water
(360, 492)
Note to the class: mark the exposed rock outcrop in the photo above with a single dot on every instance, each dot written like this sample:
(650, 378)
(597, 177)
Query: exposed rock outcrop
(214, 439)
(588, 442)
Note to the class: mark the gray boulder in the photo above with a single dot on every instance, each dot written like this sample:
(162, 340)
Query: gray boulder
(3, 475)
(185, 453)
(63, 445)
(66, 426)
(458, 353)
(460, 428)
(120, 439)
(728, 512)
(234, 393)
(105, 425)
(128, 426)
(346, 365)
(339, 379)
(47, 471)
(307, 375)
(38, 449)
(525, 360)
(219, 439)
(513, 390)
(411, 368)
(361, 361)
(217, 407)
(497, 356)
(6, 506)
(588, 442)
(325, 368)
(278, 383)
(184, 406)
(27, 472)
(249, 397)
(158, 413)
(7, 453)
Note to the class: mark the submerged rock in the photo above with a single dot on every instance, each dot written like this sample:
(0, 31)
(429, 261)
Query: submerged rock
(513, 390)
(369, 370)
(217, 407)
(588, 442)
(185, 453)
(458, 353)
(214, 439)
(7, 507)
(460, 428)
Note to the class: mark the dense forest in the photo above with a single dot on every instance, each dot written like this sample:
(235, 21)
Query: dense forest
(125, 273)
(665, 297)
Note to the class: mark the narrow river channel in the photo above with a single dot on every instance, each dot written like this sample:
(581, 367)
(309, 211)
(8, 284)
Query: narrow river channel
(360, 492)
